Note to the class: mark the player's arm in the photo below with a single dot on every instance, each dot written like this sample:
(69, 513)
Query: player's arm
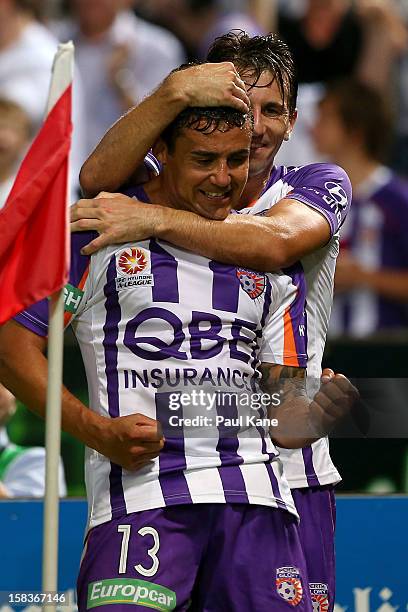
(303, 421)
(290, 230)
(131, 137)
(128, 441)
(389, 283)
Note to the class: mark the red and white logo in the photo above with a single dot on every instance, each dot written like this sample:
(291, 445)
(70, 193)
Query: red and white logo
(320, 596)
(132, 261)
(289, 585)
(253, 283)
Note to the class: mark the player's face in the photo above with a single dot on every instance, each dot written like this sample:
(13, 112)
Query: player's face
(272, 123)
(96, 15)
(206, 173)
(329, 134)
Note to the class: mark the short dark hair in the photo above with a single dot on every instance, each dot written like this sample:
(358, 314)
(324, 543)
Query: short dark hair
(257, 54)
(206, 120)
(364, 109)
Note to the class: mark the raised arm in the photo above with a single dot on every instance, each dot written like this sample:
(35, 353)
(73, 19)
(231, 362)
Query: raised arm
(131, 137)
(129, 441)
(290, 230)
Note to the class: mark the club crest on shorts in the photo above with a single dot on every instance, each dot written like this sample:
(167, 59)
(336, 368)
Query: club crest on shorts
(320, 596)
(133, 268)
(289, 585)
(253, 283)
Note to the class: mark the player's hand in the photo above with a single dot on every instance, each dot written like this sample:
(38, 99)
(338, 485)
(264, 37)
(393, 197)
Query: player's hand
(334, 400)
(130, 441)
(116, 217)
(210, 85)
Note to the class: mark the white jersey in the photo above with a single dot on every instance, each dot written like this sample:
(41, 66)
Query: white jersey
(152, 321)
(22, 469)
(326, 188)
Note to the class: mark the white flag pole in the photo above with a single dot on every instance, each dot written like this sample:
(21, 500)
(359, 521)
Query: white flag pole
(62, 74)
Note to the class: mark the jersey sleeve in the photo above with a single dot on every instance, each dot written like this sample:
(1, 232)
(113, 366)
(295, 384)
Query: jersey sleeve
(152, 164)
(35, 317)
(324, 187)
(284, 340)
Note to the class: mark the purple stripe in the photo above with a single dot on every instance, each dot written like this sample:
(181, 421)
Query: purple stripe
(267, 300)
(110, 330)
(312, 479)
(172, 460)
(164, 270)
(275, 487)
(225, 289)
(297, 311)
(231, 476)
(254, 363)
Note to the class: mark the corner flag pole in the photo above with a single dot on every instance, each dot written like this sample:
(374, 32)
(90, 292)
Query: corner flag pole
(61, 79)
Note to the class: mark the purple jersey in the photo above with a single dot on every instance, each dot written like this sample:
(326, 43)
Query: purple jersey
(325, 188)
(375, 235)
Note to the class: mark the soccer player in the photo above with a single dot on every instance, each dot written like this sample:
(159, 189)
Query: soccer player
(372, 272)
(294, 224)
(152, 319)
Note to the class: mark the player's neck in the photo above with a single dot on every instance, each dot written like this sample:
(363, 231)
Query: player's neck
(157, 193)
(358, 165)
(255, 185)
(154, 191)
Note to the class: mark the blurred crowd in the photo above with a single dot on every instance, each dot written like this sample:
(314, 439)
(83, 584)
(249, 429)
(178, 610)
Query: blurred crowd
(352, 58)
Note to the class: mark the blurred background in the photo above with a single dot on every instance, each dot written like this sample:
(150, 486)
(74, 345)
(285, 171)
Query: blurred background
(352, 60)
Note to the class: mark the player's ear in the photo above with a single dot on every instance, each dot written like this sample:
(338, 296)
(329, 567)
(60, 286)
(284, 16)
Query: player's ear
(292, 121)
(160, 151)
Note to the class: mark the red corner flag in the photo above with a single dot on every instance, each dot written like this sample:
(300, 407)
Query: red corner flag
(34, 238)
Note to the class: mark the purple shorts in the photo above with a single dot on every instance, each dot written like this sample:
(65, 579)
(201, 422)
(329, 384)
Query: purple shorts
(203, 557)
(317, 510)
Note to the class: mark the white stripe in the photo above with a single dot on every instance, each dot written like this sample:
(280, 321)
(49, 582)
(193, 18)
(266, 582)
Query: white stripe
(205, 484)
(152, 493)
(283, 486)
(62, 73)
(257, 483)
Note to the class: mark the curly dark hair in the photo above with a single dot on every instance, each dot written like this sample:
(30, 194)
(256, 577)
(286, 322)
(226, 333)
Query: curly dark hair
(253, 55)
(206, 120)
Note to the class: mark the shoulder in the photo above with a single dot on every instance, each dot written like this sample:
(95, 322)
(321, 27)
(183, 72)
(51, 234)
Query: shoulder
(317, 172)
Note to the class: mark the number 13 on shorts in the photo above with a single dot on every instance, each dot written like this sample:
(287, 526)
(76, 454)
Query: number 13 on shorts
(126, 531)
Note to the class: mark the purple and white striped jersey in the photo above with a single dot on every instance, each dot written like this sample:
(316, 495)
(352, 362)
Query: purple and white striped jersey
(327, 189)
(152, 320)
